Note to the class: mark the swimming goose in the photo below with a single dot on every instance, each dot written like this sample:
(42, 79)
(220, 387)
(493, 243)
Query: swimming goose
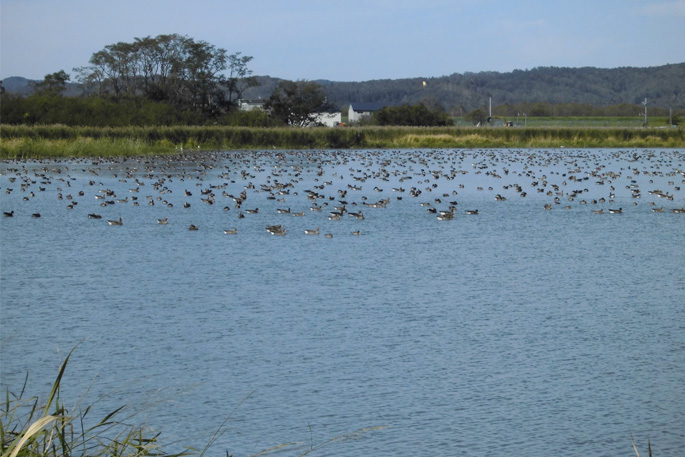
(616, 211)
(658, 210)
(94, 216)
(447, 215)
(472, 212)
(276, 230)
(233, 231)
(35, 215)
(193, 227)
(598, 211)
(9, 213)
(312, 232)
(119, 222)
(357, 233)
(163, 221)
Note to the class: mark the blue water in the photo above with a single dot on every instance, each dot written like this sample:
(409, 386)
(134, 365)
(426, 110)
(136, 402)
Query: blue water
(519, 331)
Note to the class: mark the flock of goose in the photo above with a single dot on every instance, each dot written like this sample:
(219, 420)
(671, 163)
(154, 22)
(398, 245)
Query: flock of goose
(343, 183)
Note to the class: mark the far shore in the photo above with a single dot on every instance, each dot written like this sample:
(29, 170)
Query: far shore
(58, 141)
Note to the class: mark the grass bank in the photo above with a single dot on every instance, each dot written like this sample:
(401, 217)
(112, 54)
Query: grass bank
(53, 141)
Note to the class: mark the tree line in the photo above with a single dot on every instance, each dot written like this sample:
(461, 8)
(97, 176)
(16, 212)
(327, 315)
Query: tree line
(176, 80)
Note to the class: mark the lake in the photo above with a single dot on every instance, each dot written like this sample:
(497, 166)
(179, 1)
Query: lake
(519, 330)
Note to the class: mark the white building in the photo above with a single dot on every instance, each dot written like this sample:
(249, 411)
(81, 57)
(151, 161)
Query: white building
(359, 111)
(329, 119)
(250, 105)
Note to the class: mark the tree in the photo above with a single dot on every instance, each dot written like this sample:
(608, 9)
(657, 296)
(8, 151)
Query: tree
(53, 84)
(189, 74)
(296, 103)
(416, 115)
(477, 116)
(239, 79)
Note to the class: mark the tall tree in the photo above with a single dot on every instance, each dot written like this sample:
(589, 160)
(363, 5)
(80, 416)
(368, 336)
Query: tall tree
(53, 84)
(297, 103)
(187, 73)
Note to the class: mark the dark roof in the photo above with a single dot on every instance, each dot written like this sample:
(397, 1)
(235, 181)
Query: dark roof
(358, 107)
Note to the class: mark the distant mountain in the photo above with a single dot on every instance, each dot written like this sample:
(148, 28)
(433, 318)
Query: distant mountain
(17, 85)
(22, 86)
(663, 86)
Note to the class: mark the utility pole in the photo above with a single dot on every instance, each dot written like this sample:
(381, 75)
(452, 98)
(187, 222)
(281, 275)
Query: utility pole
(645, 103)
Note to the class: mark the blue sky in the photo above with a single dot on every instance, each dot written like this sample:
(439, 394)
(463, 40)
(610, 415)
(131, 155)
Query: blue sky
(354, 40)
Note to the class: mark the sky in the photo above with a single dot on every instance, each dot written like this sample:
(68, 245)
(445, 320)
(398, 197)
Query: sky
(353, 40)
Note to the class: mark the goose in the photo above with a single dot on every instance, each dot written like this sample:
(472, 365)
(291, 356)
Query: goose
(283, 211)
(252, 211)
(163, 221)
(598, 211)
(312, 232)
(119, 222)
(357, 233)
(658, 210)
(94, 216)
(472, 212)
(328, 235)
(35, 215)
(300, 214)
(193, 227)
(8, 213)
(616, 211)
(233, 231)
(276, 230)
(447, 215)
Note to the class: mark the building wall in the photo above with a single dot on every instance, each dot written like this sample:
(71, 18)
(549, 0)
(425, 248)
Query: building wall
(250, 105)
(329, 119)
(356, 116)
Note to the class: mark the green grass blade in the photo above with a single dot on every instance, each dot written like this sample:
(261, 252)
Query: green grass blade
(55, 386)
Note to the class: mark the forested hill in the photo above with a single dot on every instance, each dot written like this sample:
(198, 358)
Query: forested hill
(663, 86)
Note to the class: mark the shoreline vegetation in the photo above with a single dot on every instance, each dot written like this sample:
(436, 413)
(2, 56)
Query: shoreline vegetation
(31, 427)
(59, 141)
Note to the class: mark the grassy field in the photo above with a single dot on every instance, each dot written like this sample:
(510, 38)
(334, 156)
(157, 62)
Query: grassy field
(29, 142)
(577, 121)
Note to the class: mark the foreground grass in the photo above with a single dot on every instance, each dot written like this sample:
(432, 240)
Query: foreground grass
(54, 141)
(31, 429)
